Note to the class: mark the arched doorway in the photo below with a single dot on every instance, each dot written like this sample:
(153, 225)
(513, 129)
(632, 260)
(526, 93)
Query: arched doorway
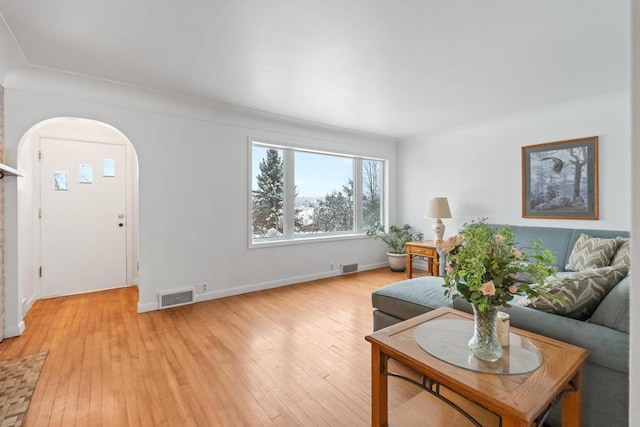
(64, 240)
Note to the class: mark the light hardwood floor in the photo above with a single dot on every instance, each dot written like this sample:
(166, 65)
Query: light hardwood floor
(292, 356)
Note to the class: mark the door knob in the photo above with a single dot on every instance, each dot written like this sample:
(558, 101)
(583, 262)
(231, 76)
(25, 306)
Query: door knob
(121, 225)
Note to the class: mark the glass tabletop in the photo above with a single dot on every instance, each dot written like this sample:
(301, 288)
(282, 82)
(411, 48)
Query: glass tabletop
(447, 340)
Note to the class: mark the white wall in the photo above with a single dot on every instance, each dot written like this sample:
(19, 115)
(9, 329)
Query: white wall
(193, 184)
(479, 167)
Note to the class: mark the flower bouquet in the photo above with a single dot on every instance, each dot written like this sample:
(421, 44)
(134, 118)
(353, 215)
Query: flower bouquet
(485, 267)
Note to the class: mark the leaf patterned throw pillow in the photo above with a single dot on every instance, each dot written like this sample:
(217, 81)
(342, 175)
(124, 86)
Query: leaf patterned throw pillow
(580, 293)
(622, 257)
(591, 252)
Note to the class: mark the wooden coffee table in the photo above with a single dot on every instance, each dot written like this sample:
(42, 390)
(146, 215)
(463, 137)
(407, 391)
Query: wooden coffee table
(509, 400)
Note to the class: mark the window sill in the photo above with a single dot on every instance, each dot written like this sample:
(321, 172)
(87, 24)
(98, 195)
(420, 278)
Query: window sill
(307, 240)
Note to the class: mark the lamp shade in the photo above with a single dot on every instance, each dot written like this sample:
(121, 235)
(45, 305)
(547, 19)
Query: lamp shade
(437, 207)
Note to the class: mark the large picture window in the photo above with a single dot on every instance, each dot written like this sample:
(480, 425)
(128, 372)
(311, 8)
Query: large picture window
(301, 194)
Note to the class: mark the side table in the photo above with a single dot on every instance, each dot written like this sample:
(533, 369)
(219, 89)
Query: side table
(426, 249)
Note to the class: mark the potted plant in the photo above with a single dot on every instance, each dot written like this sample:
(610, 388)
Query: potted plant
(484, 266)
(396, 239)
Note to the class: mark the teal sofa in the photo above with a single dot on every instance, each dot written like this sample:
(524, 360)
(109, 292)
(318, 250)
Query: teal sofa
(605, 334)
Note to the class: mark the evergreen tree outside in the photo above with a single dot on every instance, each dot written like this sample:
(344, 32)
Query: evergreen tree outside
(268, 198)
(334, 212)
(371, 193)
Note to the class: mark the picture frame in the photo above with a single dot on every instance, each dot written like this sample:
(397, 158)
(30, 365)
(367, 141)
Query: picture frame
(560, 179)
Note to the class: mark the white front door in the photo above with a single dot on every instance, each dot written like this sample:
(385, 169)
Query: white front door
(83, 216)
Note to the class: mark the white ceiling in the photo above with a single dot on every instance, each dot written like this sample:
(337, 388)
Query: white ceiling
(398, 68)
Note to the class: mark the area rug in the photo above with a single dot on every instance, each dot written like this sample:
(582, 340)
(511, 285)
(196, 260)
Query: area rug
(18, 378)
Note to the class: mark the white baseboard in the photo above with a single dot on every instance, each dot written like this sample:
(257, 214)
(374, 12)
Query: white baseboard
(14, 330)
(373, 266)
(149, 306)
(221, 293)
(26, 306)
(238, 290)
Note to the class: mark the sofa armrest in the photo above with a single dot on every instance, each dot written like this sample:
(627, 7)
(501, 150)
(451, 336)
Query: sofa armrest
(607, 347)
(613, 312)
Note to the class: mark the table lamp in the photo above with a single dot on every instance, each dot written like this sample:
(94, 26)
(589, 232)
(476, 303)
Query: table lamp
(438, 208)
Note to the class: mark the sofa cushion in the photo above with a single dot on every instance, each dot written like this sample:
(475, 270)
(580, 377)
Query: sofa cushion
(622, 257)
(613, 312)
(412, 297)
(580, 293)
(554, 239)
(559, 240)
(591, 252)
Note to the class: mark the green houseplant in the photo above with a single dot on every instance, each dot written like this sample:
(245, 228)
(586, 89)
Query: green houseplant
(396, 238)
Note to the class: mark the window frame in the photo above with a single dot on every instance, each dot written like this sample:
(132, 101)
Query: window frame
(288, 157)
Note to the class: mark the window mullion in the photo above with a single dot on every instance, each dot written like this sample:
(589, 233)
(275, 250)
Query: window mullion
(357, 194)
(289, 192)
(384, 188)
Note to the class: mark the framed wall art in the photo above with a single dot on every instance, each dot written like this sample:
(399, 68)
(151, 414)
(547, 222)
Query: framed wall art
(560, 179)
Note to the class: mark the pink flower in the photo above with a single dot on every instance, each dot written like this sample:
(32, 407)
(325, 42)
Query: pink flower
(488, 288)
(449, 270)
(517, 253)
(513, 289)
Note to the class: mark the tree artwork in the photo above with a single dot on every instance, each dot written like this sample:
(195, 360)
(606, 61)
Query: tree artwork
(578, 159)
(560, 179)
